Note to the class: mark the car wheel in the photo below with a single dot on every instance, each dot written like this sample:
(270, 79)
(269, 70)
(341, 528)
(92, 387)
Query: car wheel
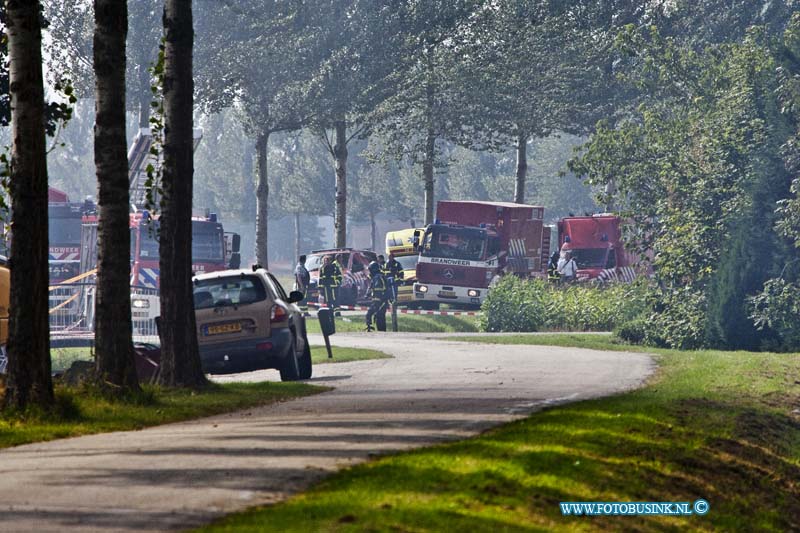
(305, 362)
(290, 371)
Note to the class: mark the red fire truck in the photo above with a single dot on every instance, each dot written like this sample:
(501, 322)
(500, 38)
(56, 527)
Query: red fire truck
(64, 233)
(212, 250)
(596, 244)
(470, 241)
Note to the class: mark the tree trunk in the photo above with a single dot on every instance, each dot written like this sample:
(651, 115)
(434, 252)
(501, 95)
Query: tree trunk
(373, 233)
(296, 235)
(113, 330)
(427, 174)
(522, 168)
(180, 359)
(145, 96)
(430, 145)
(28, 382)
(340, 157)
(262, 199)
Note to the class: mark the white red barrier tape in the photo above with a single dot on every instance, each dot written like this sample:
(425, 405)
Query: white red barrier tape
(401, 311)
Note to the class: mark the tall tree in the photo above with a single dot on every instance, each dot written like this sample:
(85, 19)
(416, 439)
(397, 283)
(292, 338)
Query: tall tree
(180, 358)
(263, 89)
(113, 330)
(29, 381)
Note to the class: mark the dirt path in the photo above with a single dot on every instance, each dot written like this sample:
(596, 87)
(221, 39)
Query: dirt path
(183, 475)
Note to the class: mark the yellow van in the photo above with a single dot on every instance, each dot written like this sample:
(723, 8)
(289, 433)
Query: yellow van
(401, 244)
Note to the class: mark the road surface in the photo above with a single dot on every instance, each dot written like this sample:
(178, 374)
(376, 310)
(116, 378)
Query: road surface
(183, 475)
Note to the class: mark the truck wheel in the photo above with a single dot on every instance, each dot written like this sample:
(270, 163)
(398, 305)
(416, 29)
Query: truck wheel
(305, 362)
(290, 370)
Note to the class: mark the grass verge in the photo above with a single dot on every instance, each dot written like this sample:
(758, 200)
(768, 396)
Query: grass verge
(62, 358)
(319, 355)
(83, 411)
(721, 426)
(407, 323)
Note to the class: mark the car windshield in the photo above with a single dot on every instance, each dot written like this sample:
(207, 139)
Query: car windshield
(590, 257)
(314, 262)
(228, 291)
(454, 243)
(408, 262)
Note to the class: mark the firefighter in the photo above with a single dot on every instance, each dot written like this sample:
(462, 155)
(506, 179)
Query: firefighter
(552, 269)
(301, 280)
(329, 277)
(394, 273)
(379, 292)
(337, 262)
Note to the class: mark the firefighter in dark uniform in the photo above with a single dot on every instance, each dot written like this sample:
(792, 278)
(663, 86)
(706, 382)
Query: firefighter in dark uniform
(337, 262)
(329, 278)
(552, 269)
(394, 274)
(380, 294)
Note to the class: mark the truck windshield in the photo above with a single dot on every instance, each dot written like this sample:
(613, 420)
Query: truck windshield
(208, 243)
(65, 231)
(590, 257)
(454, 243)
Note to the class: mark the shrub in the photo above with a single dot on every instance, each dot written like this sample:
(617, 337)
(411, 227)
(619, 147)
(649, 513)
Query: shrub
(535, 305)
(633, 331)
(777, 308)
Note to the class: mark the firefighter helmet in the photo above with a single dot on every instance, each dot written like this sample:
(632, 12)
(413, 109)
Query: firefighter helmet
(374, 268)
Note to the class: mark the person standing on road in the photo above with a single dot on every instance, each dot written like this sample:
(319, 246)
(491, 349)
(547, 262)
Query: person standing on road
(379, 293)
(301, 281)
(394, 273)
(329, 280)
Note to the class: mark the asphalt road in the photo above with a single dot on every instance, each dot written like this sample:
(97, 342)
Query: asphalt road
(183, 475)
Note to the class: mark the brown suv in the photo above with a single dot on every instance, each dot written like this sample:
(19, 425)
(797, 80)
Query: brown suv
(246, 321)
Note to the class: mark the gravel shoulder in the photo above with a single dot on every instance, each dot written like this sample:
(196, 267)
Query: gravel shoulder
(183, 475)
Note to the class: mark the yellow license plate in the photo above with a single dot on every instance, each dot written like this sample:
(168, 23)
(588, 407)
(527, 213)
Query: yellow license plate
(224, 328)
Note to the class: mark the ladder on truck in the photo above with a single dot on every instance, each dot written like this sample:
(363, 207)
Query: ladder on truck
(139, 157)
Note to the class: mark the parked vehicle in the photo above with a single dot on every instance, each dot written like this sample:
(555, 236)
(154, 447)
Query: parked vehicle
(246, 321)
(596, 244)
(470, 241)
(355, 281)
(401, 244)
(64, 234)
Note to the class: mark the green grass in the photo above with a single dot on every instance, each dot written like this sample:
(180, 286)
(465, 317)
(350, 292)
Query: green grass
(62, 358)
(710, 424)
(83, 411)
(407, 323)
(343, 355)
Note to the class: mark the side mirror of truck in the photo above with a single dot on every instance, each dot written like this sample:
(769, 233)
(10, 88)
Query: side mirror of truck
(415, 241)
(236, 261)
(236, 244)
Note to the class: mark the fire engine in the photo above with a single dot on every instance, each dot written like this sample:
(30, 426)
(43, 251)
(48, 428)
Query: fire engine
(470, 241)
(596, 244)
(64, 234)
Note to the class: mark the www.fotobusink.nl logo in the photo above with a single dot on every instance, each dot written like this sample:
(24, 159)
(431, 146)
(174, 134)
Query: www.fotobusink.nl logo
(699, 507)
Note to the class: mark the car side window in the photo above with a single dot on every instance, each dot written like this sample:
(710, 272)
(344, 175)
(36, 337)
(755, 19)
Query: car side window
(358, 266)
(277, 286)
